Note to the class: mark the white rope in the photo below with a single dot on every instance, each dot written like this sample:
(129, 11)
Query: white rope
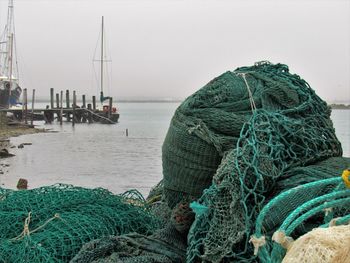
(281, 238)
(251, 100)
(333, 222)
(327, 211)
(257, 243)
(192, 129)
(27, 232)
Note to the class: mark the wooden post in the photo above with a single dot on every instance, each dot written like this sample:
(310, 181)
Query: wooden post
(74, 105)
(94, 103)
(89, 113)
(51, 98)
(84, 102)
(67, 105)
(110, 107)
(67, 99)
(57, 100)
(61, 111)
(33, 100)
(25, 102)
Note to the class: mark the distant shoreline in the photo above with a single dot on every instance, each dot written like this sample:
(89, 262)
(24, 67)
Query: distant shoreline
(340, 106)
(126, 101)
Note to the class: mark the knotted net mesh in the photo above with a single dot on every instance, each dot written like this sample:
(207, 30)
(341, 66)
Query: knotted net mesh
(245, 137)
(50, 224)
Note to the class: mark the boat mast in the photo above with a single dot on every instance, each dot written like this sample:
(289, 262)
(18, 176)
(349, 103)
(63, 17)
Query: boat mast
(102, 58)
(6, 41)
(10, 67)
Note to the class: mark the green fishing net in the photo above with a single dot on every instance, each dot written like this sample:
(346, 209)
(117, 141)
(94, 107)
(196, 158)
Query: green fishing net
(246, 137)
(50, 224)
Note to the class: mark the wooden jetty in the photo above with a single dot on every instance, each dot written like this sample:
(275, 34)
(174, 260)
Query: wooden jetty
(85, 113)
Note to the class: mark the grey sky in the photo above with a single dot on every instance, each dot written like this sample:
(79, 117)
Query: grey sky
(168, 49)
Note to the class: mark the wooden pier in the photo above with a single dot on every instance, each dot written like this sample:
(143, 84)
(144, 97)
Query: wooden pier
(85, 113)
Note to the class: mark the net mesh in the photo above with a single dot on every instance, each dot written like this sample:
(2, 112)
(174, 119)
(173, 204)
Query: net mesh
(321, 245)
(233, 157)
(50, 224)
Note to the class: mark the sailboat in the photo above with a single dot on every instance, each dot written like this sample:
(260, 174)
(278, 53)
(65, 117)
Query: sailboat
(107, 109)
(10, 91)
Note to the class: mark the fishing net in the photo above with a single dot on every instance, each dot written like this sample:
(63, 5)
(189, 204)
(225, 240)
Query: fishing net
(321, 245)
(297, 211)
(50, 224)
(245, 137)
(232, 147)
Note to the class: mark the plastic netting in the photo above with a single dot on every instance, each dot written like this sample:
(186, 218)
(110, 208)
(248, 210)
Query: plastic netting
(321, 245)
(246, 136)
(296, 212)
(233, 146)
(50, 224)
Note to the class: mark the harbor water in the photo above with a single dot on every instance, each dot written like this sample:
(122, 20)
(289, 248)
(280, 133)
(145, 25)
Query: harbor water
(95, 155)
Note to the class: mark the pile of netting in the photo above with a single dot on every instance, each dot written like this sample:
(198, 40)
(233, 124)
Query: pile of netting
(232, 147)
(234, 159)
(321, 204)
(321, 245)
(50, 224)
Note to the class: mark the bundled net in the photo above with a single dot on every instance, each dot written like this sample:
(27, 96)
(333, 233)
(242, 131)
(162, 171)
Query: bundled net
(321, 245)
(297, 211)
(245, 137)
(232, 147)
(50, 224)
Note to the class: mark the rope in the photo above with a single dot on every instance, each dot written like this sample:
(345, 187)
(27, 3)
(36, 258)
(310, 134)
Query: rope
(27, 232)
(93, 113)
(257, 243)
(192, 129)
(327, 211)
(281, 238)
(333, 222)
(251, 100)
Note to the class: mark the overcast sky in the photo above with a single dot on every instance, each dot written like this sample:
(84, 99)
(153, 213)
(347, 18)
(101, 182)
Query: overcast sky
(169, 49)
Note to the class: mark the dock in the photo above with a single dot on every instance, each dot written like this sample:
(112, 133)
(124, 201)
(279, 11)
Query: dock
(69, 112)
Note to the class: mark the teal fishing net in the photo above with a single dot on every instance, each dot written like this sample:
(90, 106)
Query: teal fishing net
(246, 137)
(50, 224)
(295, 212)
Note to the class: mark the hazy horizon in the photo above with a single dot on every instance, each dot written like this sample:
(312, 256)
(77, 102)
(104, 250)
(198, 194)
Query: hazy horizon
(171, 48)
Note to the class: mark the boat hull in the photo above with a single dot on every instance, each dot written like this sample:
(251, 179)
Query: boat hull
(9, 96)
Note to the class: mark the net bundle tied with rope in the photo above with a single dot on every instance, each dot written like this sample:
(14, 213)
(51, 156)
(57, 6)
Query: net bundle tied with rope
(232, 146)
(243, 138)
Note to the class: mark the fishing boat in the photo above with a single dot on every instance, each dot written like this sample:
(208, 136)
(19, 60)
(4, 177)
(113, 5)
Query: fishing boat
(107, 109)
(10, 91)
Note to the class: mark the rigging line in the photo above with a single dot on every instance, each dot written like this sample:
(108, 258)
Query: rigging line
(96, 77)
(93, 60)
(15, 46)
(107, 54)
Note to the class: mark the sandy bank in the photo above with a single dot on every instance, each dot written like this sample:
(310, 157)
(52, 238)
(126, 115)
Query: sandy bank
(7, 132)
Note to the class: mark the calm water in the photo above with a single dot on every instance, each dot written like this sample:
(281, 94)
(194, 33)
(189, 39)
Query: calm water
(102, 156)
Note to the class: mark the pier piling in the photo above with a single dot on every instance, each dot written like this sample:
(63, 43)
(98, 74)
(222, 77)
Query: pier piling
(110, 107)
(74, 105)
(84, 102)
(33, 100)
(57, 100)
(61, 111)
(94, 103)
(25, 104)
(89, 113)
(51, 98)
(67, 105)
